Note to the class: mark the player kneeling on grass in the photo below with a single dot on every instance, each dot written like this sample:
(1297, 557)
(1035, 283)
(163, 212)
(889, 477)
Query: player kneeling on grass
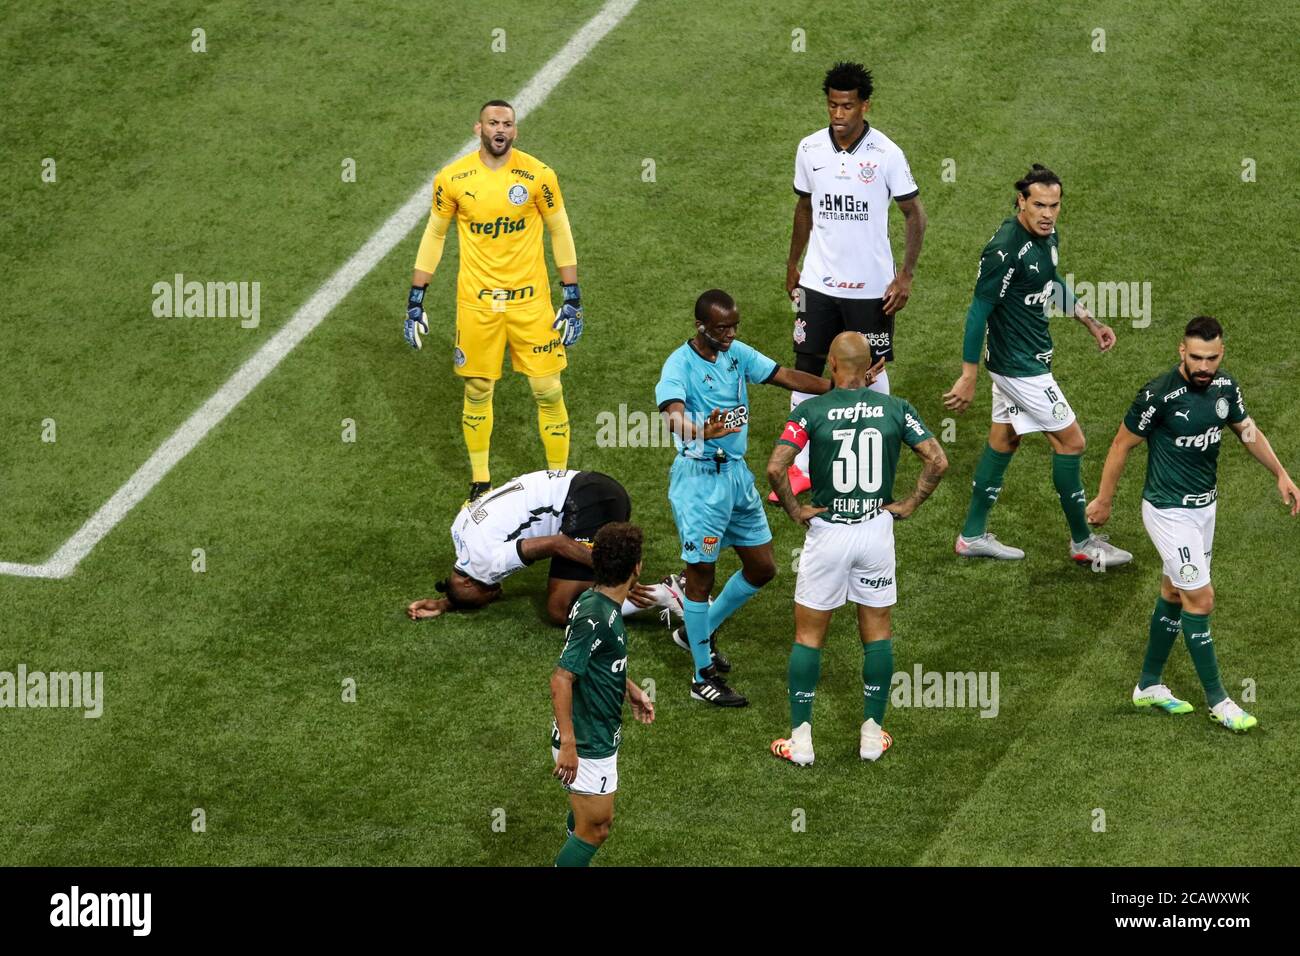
(1180, 414)
(587, 691)
(543, 514)
(854, 436)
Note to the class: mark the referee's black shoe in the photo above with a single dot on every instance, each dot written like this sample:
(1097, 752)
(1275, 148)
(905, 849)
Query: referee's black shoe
(714, 690)
(719, 661)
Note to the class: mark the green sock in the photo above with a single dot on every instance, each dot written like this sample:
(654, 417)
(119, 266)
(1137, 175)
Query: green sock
(1200, 644)
(877, 673)
(576, 852)
(984, 490)
(1069, 488)
(802, 675)
(571, 823)
(1165, 624)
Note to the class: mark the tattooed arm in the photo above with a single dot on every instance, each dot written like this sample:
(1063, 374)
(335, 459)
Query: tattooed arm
(778, 467)
(936, 463)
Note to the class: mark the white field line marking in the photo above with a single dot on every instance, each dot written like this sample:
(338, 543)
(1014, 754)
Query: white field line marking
(64, 561)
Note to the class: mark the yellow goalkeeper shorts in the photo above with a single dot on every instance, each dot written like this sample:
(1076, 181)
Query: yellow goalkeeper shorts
(481, 338)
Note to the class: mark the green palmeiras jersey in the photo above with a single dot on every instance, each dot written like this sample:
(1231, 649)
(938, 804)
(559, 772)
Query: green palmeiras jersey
(854, 436)
(1183, 427)
(1016, 275)
(595, 652)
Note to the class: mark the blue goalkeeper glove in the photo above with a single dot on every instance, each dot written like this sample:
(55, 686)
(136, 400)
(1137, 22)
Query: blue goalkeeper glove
(416, 321)
(568, 320)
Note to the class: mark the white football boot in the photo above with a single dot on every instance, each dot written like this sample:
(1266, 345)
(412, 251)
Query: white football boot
(986, 546)
(1099, 552)
(873, 741)
(797, 748)
(1226, 712)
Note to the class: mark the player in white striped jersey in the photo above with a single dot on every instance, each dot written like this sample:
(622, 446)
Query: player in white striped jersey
(543, 514)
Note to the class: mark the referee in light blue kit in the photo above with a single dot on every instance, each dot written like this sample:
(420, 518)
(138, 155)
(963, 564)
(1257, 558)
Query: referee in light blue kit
(703, 394)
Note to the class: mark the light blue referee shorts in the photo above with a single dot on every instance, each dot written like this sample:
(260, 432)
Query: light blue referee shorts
(715, 507)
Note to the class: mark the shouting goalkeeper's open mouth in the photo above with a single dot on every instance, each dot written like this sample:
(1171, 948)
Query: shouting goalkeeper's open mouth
(496, 130)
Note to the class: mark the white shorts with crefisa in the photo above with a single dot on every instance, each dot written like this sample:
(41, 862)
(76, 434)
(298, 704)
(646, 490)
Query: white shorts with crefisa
(1033, 404)
(853, 562)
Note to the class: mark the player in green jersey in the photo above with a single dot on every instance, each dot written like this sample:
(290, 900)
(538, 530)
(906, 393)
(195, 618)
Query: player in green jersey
(587, 691)
(1180, 415)
(854, 436)
(1016, 282)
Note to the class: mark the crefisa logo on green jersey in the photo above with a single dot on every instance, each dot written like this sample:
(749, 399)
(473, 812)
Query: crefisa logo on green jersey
(854, 412)
(1211, 436)
(1040, 298)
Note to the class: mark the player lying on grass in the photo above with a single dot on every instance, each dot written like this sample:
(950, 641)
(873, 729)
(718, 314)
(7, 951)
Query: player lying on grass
(854, 435)
(543, 514)
(1180, 414)
(587, 691)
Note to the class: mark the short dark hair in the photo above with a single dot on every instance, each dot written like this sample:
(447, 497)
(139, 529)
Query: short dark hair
(615, 553)
(846, 75)
(1203, 327)
(1038, 174)
(710, 300)
(495, 103)
(444, 587)
(482, 594)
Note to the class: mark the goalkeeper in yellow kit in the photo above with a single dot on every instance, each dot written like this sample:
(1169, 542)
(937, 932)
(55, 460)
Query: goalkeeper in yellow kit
(500, 197)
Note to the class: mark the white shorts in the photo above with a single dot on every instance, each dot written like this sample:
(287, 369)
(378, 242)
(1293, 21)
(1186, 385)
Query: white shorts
(1033, 404)
(596, 775)
(1184, 537)
(847, 561)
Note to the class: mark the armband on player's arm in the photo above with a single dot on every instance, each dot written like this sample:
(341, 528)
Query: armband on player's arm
(435, 237)
(977, 320)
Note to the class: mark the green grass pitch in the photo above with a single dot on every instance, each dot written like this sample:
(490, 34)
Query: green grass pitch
(223, 688)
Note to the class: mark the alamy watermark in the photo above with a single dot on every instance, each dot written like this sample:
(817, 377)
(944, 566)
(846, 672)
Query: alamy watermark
(1105, 300)
(634, 428)
(82, 690)
(179, 299)
(922, 688)
(77, 908)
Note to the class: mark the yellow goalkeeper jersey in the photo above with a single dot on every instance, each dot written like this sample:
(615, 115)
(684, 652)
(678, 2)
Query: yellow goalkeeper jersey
(499, 217)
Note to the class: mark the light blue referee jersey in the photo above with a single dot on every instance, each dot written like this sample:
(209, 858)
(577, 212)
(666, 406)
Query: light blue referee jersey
(703, 386)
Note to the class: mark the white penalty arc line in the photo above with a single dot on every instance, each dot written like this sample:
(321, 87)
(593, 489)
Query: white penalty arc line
(335, 289)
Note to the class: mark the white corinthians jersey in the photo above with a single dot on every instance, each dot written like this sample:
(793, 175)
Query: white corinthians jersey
(851, 189)
(487, 531)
